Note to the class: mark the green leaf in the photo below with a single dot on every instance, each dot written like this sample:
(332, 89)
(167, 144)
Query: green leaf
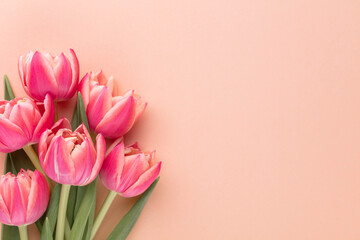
(122, 230)
(46, 233)
(21, 161)
(53, 207)
(90, 222)
(75, 121)
(9, 232)
(8, 92)
(82, 112)
(79, 197)
(71, 205)
(83, 213)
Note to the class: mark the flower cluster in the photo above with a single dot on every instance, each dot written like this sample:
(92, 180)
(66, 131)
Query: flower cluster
(68, 156)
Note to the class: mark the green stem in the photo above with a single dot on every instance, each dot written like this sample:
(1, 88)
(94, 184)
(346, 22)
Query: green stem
(29, 150)
(23, 232)
(64, 196)
(103, 210)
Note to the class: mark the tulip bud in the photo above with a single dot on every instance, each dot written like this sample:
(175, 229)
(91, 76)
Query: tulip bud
(41, 73)
(23, 198)
(69, 157)
(129, 171)
(22, 121)
(111, 116)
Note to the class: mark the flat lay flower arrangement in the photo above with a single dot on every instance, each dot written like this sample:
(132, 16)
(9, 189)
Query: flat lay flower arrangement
(53, 164)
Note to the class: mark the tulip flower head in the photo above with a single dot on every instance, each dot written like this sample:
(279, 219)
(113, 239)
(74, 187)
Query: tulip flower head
(42, 74)
(128, 170)
(70, 157)
(22, 121)
(23, 198)
(113, 116)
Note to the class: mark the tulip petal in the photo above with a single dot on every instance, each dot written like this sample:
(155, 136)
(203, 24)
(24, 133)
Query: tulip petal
(140, 106)
(112, 168)
(11, 135)
(99, 105)
(24, 185)
(84, 88)
(100, 151)
(38, 197)
(57, 163)
(4, 212)
(24, 70)
(131, 173)
(74, 62)
(25, 116)
(18, 212)
(118, 120)
(63, 75)
(46, 120)
(83, 157)
(145, 180)
(41, 78)
(113, 145)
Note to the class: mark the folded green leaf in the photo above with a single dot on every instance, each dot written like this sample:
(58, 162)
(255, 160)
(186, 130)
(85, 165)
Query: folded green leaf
(75, 121)
(8, 92)
(82, 112)
(53, 207)
(79, 197)
(90, 223)
(122, 230)
(46, 233)
(83, 213)
(71, 205)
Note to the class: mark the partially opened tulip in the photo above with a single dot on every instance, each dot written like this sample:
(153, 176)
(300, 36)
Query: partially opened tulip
(22, 121)
(70, 157)
(23, 198)
(113, 116)
(42, 73)
(128, 172)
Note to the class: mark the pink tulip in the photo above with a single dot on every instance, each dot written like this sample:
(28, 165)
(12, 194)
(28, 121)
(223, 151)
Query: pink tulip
(69, 157)
(22, 121)
(129, 171)
(41, 73)
(111, 116)
(23, 198)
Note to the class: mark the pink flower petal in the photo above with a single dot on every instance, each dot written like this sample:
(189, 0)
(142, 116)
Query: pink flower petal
(84, 88)
(74, 62)
(112, 168)
(18, 212)
(38, 197)
(100, 151)
(46, 120)
(41, 78)
(11, 135)
(63, 75)
(118, 120)
(143, 182)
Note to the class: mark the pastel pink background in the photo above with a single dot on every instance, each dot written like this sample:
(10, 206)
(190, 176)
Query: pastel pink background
(254, 107)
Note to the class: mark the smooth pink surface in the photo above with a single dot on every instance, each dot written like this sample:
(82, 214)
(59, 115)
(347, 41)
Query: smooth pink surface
(254, 107)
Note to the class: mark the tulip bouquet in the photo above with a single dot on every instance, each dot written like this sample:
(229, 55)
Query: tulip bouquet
(53, 164)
